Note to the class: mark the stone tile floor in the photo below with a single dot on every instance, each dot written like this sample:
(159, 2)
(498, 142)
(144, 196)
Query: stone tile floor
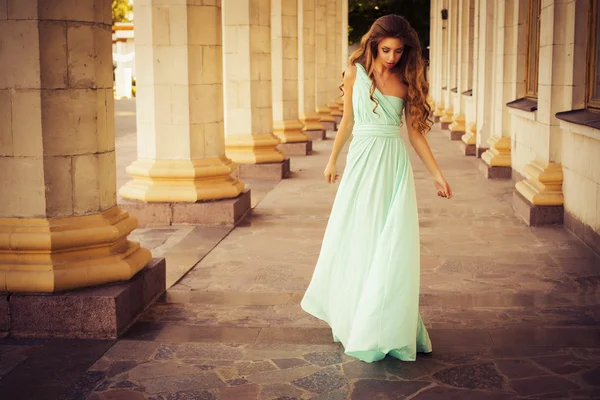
(512, 310)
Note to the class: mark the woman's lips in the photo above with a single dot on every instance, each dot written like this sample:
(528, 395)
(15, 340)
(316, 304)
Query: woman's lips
(390, 64)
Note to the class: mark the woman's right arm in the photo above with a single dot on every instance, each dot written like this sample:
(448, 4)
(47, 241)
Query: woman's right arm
(345, 126)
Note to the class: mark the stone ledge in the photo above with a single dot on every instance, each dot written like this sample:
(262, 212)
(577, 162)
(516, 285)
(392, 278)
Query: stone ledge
(102, 312)
(495, 172)
(267, 171)
(537, 215)
(455, 135)
(218, 212)
(319, 134)
(467, 149)
(583, 231)
(296, 149)
(329, 125)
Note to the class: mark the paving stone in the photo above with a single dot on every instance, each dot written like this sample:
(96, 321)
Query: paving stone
(189, 383)
(124, 385)
(284, 375)
(592, 377)
(522, 368)
(323, 381)
(248, 368)
(477, 376)
(131, 350)
(324, 359)
(244, 392)
(119, 367)
(446, 393)
(236, 382)
(340, 394)
(193, 395)
(105, 385)
(160, 370)
(361, 370)
(378, 389)
(280, 390)
(541, 385)
(84, 385)
(284, 363)
(121, 394)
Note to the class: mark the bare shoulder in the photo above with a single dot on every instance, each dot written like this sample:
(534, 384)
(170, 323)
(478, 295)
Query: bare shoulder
(398, 87)
(350, 75)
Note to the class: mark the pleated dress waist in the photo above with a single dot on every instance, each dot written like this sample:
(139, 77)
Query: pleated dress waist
(377, 130)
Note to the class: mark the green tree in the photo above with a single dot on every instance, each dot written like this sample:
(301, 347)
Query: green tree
(362, 14)
(121, 10)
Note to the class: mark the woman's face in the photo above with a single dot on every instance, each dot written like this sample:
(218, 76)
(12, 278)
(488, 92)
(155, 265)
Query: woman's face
(389, 51)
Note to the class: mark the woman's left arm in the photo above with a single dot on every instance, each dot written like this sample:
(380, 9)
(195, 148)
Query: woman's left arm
(419, 143)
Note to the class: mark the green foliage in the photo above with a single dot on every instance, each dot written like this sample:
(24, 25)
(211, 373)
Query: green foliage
(120, 10)
(362, 14)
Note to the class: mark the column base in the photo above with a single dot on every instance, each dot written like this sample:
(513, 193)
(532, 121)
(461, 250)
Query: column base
(267, 171)
(102, 312)
(467, 149)
(445, 124)
(537, 215)
(296, 149)
(227, 212)
(494, 172)
(320, 134)
(436, 119)
(455, 135)
(329, 125)
(481, 150)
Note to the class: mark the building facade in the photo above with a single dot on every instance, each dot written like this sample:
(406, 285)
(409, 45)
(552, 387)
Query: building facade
(517, 83)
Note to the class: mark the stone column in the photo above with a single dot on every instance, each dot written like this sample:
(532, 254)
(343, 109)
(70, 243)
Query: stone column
(249, 135)
(322, 63)
(334, 9)
(344, 35)
(307, 71)
(433, 45)
(284, 47)
(457, 127)
(452, 33)
(443, 62)
(483, 91)
(181, 150)
(497, 160)
(469, 139)
(60, 227)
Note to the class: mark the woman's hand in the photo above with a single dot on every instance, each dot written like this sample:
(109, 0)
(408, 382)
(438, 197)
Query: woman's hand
(330, 173)
(443, 188)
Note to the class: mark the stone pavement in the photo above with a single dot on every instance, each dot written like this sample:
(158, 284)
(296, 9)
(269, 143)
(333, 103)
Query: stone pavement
(512, 310)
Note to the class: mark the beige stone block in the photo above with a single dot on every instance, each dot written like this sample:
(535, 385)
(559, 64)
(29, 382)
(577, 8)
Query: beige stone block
(206, 29)
(579, 68)
(19, 55)
(290, 26)
(234, 68)
(107, 167)
(173, 141)
(106, 120)
(238, 121)
(146, 140)
(59, 186)
(22, 9)
(103, 11)
(6, 141)
(170, 65)
(260, 12)
(290, 49)
(290, 8)
(144, 70)
(179, 24)
(260, 67)
(261, 94)
(180, 104)
(69, 121)
(212, 65)
(82, 55)
(260, 40)
(53, 54)
(593, 167)
(86, 184)
(145, 104)
(69, 10)
(142, 25)
(214, 141)
(104, 60)
(206, 101)
(23, 178)
(162, 103)
(236, 12)
(27, 123)
(195, 67)
(3, 9)
(197, 141)
(160, 29)
(546, 57)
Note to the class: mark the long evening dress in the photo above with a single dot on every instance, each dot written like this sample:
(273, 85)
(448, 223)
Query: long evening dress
(366, 281)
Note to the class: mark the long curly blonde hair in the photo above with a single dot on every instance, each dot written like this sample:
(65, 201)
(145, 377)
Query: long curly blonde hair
(411, 65)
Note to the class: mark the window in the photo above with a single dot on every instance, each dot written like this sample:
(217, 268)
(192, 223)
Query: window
(593, 76)
(533, 49)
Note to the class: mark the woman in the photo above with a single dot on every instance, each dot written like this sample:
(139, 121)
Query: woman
(366, 281)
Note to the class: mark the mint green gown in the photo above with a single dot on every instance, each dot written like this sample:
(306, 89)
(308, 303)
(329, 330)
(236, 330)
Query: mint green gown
(366, 281)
